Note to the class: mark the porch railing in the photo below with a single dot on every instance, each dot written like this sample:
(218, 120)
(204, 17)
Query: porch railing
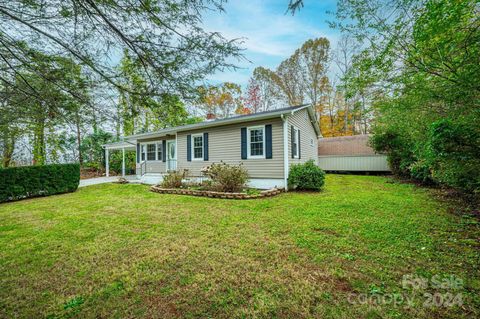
(143, 168)
(170, 165)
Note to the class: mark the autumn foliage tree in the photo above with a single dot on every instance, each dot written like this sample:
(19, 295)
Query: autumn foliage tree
(220, 101)
(342, 103)
(252, 100)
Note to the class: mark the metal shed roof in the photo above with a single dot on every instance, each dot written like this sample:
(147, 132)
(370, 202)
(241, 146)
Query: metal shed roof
(345, 145)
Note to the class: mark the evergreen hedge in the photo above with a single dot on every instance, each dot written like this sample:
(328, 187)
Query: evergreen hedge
(31, 181)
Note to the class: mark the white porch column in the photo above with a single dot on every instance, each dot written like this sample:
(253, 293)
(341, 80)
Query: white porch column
(106, 163)
(123, 161)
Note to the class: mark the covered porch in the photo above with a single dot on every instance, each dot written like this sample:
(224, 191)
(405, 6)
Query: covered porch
(118, 146)
(156, 155)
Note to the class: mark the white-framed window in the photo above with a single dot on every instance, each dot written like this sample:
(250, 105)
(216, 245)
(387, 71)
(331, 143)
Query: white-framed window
(151, 152)
(311, 142)
(296, 142)
(197, 147)
(159, 151)
(256, 142)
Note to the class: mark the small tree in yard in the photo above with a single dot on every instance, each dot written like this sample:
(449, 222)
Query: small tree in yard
(306, 176)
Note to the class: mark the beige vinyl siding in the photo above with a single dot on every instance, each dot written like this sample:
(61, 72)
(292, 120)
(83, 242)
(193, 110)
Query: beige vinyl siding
(224, 144)
(301, 120)
(155, 167)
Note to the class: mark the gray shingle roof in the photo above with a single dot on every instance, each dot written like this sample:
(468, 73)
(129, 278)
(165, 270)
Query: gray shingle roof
(219, 122)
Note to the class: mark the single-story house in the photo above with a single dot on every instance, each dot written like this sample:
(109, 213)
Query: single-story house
(266, 143)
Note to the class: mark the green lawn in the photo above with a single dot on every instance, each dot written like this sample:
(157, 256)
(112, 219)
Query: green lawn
(121, 251)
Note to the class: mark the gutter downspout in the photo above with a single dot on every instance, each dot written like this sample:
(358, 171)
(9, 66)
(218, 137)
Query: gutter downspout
(176, 150)
(285, 151)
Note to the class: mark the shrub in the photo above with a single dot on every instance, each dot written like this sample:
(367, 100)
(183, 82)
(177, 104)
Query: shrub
(306, 176)
(227, 178)
(31, 181)
(443, 150)
(420, 171)
(398, 148)
(173, 179)
(455, 153)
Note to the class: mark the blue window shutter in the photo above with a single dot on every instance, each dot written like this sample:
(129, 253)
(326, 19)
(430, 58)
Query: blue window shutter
(268, 141)
(244, 142)
(205, 146)
(138, 152)
(164, 151)
(299, 145)
(292, 137)
(189, 148)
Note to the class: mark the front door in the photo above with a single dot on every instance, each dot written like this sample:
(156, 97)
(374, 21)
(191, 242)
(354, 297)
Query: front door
(171, 155)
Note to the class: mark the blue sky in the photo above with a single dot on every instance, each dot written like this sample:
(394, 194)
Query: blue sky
(269, 34)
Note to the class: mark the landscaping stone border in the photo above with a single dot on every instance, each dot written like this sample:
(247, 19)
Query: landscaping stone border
(179, 191)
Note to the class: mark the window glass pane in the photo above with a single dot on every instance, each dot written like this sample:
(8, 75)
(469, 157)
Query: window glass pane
(256, 135)
(151, 152)
(198, 152)
(143, 152)
(295, 142)
(198, 147)
(171, 150)
(256, 142)
(197, 141)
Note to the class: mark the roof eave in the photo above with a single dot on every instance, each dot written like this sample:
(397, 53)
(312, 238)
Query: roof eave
(201, 125)
(118, 145)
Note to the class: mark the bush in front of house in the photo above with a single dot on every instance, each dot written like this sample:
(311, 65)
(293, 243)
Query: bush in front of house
(306, 176)
(227, 178)
(31, 181)
(173, 179)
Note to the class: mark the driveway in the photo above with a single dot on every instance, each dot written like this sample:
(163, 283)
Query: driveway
(102, 180)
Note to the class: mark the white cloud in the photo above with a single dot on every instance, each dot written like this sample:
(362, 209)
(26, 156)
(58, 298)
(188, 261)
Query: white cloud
(268, 33)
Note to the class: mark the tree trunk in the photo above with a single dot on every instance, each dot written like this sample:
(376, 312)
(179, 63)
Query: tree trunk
(118, 118)
(364, 118)
(79, 138)
(345, 120)
(39, 142)
(331, 119)
(8, 148)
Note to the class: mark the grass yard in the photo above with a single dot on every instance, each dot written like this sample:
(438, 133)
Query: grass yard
(120, 251)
